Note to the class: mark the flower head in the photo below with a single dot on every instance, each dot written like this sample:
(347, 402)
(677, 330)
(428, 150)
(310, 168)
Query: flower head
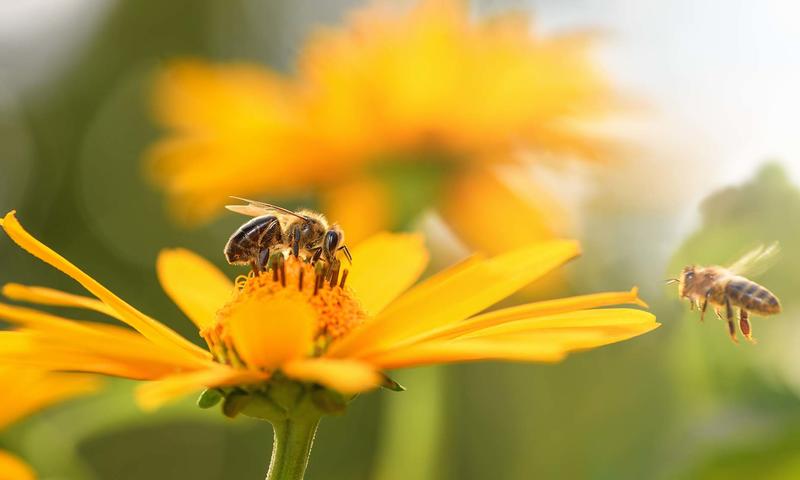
(335, 331)
(426, 97)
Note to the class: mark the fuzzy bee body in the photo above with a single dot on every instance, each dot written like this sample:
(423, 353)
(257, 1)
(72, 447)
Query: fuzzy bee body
(304, 233)
(726, 289)
(751, 296)
(252, 242)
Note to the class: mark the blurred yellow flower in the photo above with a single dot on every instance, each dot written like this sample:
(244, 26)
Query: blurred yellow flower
(340, 332)
(427, 89)
(26, 390)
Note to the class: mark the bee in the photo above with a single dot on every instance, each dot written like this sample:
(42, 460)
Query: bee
(726, 288)
(303, 233)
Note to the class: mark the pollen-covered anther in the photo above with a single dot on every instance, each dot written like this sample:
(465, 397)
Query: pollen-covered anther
(322, 288)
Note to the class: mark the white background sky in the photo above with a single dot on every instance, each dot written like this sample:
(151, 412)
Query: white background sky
(725, 73)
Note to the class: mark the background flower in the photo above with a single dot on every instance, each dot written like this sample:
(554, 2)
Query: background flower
(402, 109)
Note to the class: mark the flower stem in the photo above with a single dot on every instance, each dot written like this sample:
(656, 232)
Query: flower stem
(291, 447)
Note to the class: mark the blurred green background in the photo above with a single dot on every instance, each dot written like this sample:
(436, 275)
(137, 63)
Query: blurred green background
(682, 402)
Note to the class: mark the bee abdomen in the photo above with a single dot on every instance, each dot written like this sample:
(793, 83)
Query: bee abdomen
(248, 239)
(753, 297)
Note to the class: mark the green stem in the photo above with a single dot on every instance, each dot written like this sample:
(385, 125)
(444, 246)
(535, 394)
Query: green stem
(291, 447)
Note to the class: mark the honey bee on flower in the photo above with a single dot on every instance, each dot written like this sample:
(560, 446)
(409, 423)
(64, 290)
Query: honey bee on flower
(282, 350)
(276, 230)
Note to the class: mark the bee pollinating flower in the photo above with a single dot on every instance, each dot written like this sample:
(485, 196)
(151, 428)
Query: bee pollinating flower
(287, 348)
(277, 230)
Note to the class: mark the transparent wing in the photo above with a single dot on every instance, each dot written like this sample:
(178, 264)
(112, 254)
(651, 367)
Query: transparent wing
(756, 261)
(255, 208)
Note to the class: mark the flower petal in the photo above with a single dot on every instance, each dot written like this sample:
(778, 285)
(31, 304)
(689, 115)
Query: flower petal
(267, 334)
(384, 266)
(599, 318)
(15, 469)
(36, 350)
(194, 284)
(362, 206)
(57, 298)
(436, 352)
(153, 395)
(52, 339)
(519, 215)
(29, 390)
(451, 298)
(345, 376)
(531, 310)
(150, 328)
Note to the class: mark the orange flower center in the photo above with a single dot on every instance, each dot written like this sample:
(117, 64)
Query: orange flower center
(324, 289)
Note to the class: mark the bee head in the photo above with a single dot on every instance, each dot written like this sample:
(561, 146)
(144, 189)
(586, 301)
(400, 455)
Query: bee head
(333, 241)
(686, 280)
(312, 232)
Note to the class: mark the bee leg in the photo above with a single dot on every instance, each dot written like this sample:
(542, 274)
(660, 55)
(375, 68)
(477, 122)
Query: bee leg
(719, 314)
(316, 255)
(691, 304)
(704, 306)
(744, 325)
(729, 317)
(254, 266)
(263, 259)
(296, 243)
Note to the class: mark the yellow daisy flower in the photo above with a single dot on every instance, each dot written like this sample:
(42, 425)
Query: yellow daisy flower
(427, 96)
(26, 390)
(292, 344)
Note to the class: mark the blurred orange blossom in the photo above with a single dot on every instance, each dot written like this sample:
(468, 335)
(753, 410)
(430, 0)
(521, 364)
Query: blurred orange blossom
(426, 90)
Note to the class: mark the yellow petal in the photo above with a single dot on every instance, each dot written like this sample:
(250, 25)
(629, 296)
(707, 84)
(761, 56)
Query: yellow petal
(361, 206)
(267, 334)
(582, 338)
(153, 330)
(437, 352)
(29, 390)
(456, 297)
(384, 266)
(604, 317)
(346, 376)
(12, 468)
(59, 339)
(519, 216)
(153, 395)
(49, 296)
(194, 284)
(531, 310)
(34, 350)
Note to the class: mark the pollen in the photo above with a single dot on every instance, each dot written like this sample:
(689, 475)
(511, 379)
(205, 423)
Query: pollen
(296, 280)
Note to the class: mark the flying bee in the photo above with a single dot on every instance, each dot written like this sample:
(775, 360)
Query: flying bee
(726, 288)
(304, 233)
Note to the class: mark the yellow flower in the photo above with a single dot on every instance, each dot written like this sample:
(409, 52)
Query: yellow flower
(340, 331)
(400, 87)
(26, 390)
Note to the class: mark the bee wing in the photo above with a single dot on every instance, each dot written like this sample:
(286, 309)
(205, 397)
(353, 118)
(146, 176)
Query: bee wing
(256, 209)
(756, 261)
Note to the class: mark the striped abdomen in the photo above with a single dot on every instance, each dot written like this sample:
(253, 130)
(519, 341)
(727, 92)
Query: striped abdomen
(751, 296)
(248, 240)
